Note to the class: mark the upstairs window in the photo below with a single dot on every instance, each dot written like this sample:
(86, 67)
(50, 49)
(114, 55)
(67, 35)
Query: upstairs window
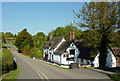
(72, 51)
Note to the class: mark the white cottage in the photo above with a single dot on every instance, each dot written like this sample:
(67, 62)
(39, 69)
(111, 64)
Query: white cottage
(86, 58)
(61, 51)
(110, 60)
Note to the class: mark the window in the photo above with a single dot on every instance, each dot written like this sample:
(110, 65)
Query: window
(72, 44)
(70, 59)
(65, 55)
(72, 51)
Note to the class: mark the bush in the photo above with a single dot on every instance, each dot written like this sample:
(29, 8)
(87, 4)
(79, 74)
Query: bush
(7, 61)
(26, 50)
(116, 77)
(4, 47)
(7, 69)
(14, 65)
(7, 57)
(35, 52)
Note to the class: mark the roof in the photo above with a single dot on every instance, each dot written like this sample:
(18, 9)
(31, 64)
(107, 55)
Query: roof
(116, 51)
(85, 53)
(53, 42)
(62, 48)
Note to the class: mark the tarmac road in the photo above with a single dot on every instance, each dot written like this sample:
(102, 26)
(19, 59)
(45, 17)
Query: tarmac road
(34, 69)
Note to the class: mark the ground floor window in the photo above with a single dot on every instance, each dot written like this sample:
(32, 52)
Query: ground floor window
(70, 59)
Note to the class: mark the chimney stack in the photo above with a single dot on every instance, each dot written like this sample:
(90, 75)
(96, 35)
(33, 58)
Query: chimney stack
(72, 36)
(50, 36)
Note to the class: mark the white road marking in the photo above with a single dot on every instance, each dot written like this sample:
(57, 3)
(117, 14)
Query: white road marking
(36, 70)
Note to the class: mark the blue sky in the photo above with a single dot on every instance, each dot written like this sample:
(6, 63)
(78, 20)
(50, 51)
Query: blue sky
(37, 16)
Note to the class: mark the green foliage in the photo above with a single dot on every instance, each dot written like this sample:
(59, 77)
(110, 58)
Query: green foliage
(26, 48)
(7, 57)
(23, 39)
(7, 69)
(12, 76)
(116, 77)
(100, 19)
(115, 39)
(8, 34)
(35, 52)
(7, 61)
(14, 65)
(39, 40)
(64, 31)
(2, 37)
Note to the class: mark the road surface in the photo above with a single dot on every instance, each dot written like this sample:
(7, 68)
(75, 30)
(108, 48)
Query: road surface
(34, 69)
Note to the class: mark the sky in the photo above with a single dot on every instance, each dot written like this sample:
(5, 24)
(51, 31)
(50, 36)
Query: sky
(37, 16)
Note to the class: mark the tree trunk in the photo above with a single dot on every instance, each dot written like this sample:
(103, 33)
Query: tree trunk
(103, 51)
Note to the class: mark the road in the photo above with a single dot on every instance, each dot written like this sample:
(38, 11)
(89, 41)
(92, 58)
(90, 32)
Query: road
(34, 69)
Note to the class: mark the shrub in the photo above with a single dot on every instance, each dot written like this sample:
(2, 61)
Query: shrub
(7, 57)
(35, 52)
(26, 50)
(7, 69)
(116, 77)
(14, 65)
(7, 61)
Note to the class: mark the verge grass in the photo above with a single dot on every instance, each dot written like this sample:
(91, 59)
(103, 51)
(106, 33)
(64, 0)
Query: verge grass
(12, 75)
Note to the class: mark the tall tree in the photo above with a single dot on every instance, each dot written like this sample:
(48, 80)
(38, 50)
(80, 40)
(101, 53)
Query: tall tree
(8, 34)
(2, 37)
(39, 40)
(23, 39)
(100, 18)
(64, 31)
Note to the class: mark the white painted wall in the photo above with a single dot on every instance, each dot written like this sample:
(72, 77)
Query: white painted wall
(57, 58)
(96, 61)
(110, 60)
(64, 59)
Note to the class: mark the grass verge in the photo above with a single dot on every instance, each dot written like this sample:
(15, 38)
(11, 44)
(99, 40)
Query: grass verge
(11, 75)
(116, 77)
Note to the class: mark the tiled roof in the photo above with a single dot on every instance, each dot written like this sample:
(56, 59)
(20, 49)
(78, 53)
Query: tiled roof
(85, 53)
(116, 51)
(53, 42)
(63, 47)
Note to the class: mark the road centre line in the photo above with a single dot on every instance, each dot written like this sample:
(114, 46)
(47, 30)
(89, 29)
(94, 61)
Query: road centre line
(36, 70)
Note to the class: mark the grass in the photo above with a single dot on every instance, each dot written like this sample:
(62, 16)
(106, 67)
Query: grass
(11, 75)
(116, 77)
